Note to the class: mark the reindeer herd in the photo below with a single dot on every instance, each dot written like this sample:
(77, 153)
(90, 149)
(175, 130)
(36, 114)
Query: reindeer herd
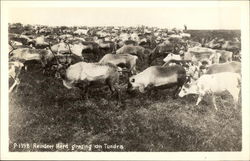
(145, 58)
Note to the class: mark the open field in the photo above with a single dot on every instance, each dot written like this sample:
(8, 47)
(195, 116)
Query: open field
(42, 111)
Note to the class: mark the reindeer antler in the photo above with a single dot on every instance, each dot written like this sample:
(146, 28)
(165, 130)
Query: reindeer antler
(69, 48)
(57, 61)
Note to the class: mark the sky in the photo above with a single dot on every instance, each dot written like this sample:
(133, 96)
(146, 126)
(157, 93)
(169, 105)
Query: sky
(194, 18)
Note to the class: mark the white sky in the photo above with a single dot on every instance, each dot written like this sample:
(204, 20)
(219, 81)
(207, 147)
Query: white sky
(194, 18)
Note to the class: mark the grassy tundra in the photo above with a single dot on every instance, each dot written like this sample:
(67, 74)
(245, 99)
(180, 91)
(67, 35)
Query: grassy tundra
(42, 111)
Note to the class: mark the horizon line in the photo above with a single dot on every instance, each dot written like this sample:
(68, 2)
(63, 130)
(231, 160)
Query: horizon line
(139, 25)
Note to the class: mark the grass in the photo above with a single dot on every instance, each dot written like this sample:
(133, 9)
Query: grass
(42, 111)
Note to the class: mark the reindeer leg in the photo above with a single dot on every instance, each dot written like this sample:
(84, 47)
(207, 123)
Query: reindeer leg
(17, 86)
(108, 82)
(114, 87)
(214, 102)
(118, 96)
(43, 66)
(128, 83)
(13, 86)
(84, 90)
(199, 99)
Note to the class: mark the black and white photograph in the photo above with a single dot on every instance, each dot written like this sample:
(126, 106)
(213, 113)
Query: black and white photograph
(125, 77)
